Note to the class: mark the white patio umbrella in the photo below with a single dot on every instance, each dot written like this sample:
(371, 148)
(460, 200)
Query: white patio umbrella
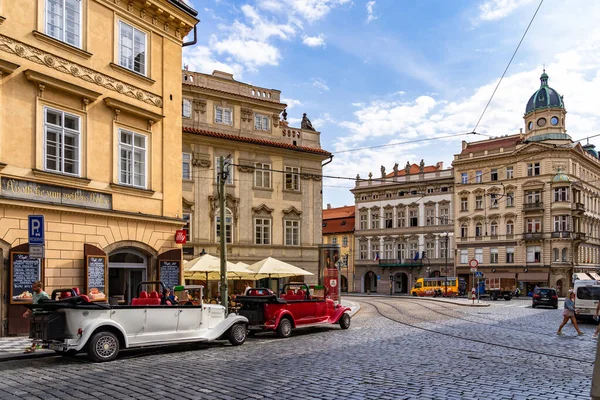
(273, 268)
(209, 267)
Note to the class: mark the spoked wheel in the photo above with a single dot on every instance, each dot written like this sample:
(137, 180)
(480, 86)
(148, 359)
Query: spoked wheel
(238, 334)
(284, 329)
(345, 321)
(103, 346)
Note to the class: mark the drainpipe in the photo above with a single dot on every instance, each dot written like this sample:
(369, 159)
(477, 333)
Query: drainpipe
(330, 160)
(193, 41)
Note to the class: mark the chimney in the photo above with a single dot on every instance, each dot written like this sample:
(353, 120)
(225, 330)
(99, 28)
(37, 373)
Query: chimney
(328, 206)
(439, 165)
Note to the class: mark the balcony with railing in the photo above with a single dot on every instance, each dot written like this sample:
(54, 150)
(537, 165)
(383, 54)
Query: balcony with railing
(578, 207)
(560, 234)
(579, 236)
(533, 206)
(402, 262)
(533, 236)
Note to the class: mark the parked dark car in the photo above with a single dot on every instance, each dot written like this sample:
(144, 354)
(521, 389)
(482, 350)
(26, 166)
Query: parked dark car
(544, 297)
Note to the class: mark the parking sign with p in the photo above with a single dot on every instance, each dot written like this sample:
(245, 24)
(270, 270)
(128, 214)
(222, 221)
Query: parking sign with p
(36, 229)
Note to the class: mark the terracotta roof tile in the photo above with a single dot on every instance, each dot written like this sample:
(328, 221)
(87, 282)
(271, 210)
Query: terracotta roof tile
(483, 145)
(338, 212)
(261, 142)
(339, 225)
(414, 169)
(235, 94)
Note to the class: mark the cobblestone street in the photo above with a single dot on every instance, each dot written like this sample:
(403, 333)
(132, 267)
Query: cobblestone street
(400, 348)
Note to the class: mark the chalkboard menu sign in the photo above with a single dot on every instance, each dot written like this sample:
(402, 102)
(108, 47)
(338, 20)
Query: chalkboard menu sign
(95, 274)
(169, 273)
(24, 272)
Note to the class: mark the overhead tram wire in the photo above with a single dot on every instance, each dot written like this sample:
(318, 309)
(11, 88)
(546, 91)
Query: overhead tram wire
(408, 142)
(508, 65)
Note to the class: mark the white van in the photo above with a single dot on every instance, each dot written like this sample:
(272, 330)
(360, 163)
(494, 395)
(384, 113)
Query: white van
(587, 293)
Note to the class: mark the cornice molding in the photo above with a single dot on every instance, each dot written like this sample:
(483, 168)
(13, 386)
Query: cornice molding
(119, 106)
(67, 67)
(44, 81)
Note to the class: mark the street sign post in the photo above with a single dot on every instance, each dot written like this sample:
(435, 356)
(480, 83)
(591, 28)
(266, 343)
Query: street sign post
(479, 274)
(36, 251)
(473, 264)
(36, 229)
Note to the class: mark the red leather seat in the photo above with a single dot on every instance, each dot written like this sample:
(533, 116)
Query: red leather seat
(140, 301)
(76, 290)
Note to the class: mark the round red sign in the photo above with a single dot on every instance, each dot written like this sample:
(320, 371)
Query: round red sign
(473, 263)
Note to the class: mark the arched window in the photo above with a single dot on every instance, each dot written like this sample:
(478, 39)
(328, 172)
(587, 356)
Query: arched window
(228, 226)
(478, 229)
(510, 227)
(494, 228)
(464, 231)
(555, 252)
(564, 254)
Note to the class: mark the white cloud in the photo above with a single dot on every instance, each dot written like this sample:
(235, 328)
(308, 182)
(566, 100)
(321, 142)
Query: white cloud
(323, 120)
(309, 10)
(294, 121)
(291, 103)
(250, 53)
(314, 41)
(320, 84)
(201, 59)
(492, 10)
(370, 16)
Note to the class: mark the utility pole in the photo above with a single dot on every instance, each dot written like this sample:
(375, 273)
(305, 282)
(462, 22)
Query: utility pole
(447, 264)
(223, 174)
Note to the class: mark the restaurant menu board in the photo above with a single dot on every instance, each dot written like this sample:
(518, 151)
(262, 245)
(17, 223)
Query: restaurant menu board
(96, 278)
(169, 273)
(24, 272)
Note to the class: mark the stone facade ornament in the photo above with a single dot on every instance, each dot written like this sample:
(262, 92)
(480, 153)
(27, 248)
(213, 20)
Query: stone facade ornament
(422, 166)
(382, 171)
(407, 168)
(284, 114)
(275, 118)
(200, 106)
(245, 168)
(370, 175)
(306, 124)
(201, 160)
(396, 169)
(246, 114)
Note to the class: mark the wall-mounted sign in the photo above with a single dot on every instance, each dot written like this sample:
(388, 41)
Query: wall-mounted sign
(96, 271)
(26, 190)
(24, 271)
(180, 236)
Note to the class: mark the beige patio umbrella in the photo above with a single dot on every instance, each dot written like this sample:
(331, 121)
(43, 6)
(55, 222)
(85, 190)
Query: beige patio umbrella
(209, 267)
(273, 268)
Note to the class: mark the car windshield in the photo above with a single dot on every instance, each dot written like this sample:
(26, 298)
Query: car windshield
(588, 293)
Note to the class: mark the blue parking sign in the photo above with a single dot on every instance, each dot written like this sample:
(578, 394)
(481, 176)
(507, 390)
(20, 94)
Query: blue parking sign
(36, 229)
(479, 274)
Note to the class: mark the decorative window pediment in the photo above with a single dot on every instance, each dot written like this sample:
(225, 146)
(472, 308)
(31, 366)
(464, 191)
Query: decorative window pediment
(430, 203)
(444, 202)
(292, 212)
(478, 192)
(494, 189)
(464, 193)
(510, 215)
(388, 207)
(533, 183)
(263, 209)
(464, 219)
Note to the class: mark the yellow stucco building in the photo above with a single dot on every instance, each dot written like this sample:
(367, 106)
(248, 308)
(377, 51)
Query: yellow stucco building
(338, 228)
(90, 138)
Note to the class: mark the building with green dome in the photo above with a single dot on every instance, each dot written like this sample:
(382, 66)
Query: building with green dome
(527, 206)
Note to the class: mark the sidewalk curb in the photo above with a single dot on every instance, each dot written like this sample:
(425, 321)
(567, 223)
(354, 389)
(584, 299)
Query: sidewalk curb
(419, 298)
(25, 356)
(456, 304)
(354, 307)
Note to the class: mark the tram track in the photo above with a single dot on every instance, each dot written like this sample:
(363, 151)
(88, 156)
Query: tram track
(374, 304)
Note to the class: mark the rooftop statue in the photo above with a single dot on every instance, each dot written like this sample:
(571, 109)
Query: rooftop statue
(306, 123)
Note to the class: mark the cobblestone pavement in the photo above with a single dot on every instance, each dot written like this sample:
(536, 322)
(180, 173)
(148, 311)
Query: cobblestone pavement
(396, 348)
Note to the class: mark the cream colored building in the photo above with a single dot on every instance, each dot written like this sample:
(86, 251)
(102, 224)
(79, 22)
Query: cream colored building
(90, 138)
(527, 205)
(338, 228)
(273, 194)
(402, 216)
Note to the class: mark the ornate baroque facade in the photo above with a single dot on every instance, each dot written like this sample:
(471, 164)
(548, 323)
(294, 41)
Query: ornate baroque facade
(403, 229)
(273, 194)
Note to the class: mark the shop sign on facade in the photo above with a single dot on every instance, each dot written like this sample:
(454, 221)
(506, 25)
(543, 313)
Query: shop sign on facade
(32, 191)
(180, 236)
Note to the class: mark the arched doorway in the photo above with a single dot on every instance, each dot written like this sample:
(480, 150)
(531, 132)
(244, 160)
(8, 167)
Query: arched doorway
(127, 267)
(401, 283)
(370, 282)
(559, 287)
(344, 284)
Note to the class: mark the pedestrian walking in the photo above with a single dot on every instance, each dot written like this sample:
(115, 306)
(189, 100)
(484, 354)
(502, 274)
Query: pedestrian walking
(569, 314)
(38, 294)
(596, 318)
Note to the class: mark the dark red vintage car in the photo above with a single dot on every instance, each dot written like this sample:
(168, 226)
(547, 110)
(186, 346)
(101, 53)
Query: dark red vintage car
(296, 307)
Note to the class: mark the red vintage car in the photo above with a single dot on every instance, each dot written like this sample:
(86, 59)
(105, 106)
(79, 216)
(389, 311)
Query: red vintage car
(296, 307)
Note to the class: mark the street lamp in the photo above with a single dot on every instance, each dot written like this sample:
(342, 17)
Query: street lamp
(391, 284)
(446, 294)
(202, 253)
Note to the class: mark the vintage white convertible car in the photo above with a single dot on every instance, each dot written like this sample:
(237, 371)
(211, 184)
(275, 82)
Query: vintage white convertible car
(73, 324)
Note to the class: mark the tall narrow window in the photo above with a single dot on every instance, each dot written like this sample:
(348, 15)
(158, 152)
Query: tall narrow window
(510, 199)
(132, 48)
(464, 256)
(430, 217)
(228, 226)
(63, 21)
(401, 219)
(223, 115)
(375, 219)
(430, 249)
(413, 218)
(292, 233)
(510, 172)
(478, 176)
(364, 221)
(444, 216)
(362, 252)
(186, 163)
(510, 255)
(494, 256)
(494, 175)
(345, 241)
(262, 175)
(464, 178)
(494, 228)
(464, 204)
(186, 108)
(261, 122)
(510, 227)
(401, 251)
(292, 178)
(187, 217)
(388, 251)
(389, 219)
(132, 159)
(464, 231)
(262, 231)
(62, 133)
(479, 202)
(334, 240)
(478, 229)
(479, 255)
(493, 200)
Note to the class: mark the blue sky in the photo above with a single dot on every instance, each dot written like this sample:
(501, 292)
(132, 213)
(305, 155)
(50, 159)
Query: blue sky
(373, 72)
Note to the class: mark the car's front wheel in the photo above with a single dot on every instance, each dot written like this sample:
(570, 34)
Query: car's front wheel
(345, 321)
(103, 346)
(238, 334)
(284, 329)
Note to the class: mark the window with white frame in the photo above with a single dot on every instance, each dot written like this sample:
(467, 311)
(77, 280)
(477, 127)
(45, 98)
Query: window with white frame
(510, 255)
(464, 231)
(494, 228)
(262, 175)
(464, 256)
(401, 251)
(389, 219)
(186, 108)
(292, 178)
(132, 159)
(561, 194)
(186, 164)
(375, 219)
(430, 216)
(443, 250)
(478, 176)
(478, 229)
(262, 231)
(479, 202)
(493, 200)
(479, 255)
(534, 254)
(362, 252)
(444, 216)
(510, 199)
(261, 122)
(413, 250)
(292, 233)
(132, 48)
(228, 226)
(510, 227)
(556, 253)
(229, 169)
(564, 254)
(430, 249)
(494, 256)
(534, 225)
(187, 217)
(510, 172)
(533, 169)
(388, 251)
(62, 138)
(533, 197)
(561, 223)
(464, 204)
(494, 174)
(375, 251)
(223, 115)
(401, 218)
(413, 218)
(345, 241)
(464, 178)
(334, 240)
(63, 21)
(363, 221)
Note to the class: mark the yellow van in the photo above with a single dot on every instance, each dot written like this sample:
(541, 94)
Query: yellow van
(429, 286)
